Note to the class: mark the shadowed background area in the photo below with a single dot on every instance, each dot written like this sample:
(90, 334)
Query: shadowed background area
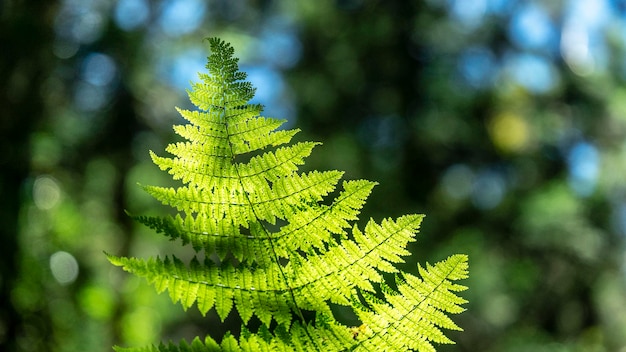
(504, 121)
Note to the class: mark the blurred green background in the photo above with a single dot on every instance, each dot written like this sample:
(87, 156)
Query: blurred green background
(504, 121)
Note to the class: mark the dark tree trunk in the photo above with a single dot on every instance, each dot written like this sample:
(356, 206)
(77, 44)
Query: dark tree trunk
(26, 37)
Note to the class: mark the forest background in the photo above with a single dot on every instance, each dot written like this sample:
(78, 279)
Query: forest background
(504, 121)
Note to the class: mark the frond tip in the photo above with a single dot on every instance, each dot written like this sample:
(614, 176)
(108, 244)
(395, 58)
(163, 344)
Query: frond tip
(269, 243)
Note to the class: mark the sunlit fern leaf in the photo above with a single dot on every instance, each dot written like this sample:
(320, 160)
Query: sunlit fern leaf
(313, 226)
(314, 280)
(270, 244)
(326, 338)
(412, 317)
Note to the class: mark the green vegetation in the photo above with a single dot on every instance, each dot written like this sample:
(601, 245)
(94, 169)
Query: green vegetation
(274, 248)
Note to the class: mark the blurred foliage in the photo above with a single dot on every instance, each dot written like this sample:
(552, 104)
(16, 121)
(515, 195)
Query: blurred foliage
(502, 121)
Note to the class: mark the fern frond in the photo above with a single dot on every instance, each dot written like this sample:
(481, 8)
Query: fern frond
(412, 317)
(282, 247)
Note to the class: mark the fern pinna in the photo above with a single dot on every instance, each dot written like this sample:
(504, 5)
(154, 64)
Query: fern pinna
(273, 247)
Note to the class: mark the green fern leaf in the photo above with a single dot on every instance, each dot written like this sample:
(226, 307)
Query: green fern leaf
(282, 247)
(412, 317)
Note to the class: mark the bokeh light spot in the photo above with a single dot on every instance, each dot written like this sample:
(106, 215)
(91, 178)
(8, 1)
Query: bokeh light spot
(457, 181)
(46, 192)
(488, 190)
(79, 22)
(141, 326)
(271, 92)
(65, 49)
(575, 49)
(468, 13)
(509, 132)
(590, 14)
(131, 14)
(618, 219)
(88, 97)
(267, 81)
(583, 164)
(99, 69)
(533, 72)
(531, 28)
(180, 70)
(502, 310)
(97, 302)
(281, 47)
(478, 66)
(181, 16)
(64, 267)
(582, 41)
